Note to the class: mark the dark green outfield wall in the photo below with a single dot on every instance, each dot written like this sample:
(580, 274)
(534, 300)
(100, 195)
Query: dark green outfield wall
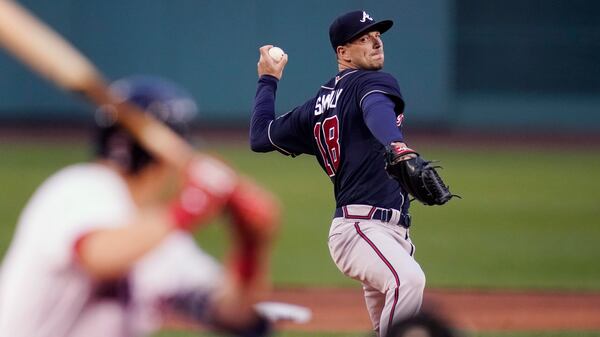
(464, 63)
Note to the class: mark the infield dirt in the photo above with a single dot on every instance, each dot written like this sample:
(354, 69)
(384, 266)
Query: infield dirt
(343, 310)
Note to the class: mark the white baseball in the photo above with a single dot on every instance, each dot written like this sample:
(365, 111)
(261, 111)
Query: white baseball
(276, 53)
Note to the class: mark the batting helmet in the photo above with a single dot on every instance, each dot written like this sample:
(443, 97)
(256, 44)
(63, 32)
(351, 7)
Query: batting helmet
(163, 99)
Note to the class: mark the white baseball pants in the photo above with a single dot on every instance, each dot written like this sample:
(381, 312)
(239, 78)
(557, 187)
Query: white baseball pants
(380, 256)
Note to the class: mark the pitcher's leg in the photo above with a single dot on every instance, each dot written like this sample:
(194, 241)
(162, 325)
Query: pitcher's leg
(378, 255)
(392, 271)
(375, 300)
(404, 300)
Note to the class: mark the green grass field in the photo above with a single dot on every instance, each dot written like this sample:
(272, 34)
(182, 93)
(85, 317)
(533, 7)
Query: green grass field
(527, 220)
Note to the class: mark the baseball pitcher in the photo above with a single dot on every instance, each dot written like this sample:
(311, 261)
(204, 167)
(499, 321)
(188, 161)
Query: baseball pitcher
(353, 128)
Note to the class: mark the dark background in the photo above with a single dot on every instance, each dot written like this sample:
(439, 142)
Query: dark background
(508, 66)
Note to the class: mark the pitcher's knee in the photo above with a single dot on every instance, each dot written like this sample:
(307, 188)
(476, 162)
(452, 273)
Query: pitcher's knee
(409, 281)
(414, 281)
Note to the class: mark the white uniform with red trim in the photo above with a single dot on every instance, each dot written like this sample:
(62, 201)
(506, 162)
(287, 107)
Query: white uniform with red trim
(45, 293)
(379, 254)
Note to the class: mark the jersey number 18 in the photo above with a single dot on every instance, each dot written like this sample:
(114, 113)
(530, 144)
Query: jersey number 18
(329, 132)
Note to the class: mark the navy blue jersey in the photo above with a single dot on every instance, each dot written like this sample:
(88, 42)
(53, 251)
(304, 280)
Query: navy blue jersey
(331, 127)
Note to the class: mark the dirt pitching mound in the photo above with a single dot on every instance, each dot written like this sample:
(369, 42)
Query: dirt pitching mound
(343, 310)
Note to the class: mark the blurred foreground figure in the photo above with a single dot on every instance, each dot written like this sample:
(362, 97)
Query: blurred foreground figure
(422, 325)
(105, 248)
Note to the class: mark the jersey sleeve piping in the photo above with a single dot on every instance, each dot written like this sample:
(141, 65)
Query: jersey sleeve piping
(371, 92)
(277, 147)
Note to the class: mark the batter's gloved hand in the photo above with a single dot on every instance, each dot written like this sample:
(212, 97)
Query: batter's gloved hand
(254, 211)
(208, 184)
(416, 175)
(255, 219)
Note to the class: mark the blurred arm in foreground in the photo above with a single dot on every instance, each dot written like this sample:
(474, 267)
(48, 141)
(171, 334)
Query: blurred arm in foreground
(106, 248)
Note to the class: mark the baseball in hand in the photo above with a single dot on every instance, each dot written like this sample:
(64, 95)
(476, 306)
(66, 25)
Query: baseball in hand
(276, 53)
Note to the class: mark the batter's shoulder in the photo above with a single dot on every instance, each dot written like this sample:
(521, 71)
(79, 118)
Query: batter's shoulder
(94, 178)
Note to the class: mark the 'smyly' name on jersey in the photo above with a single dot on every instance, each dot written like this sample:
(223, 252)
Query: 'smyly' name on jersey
(327, 101)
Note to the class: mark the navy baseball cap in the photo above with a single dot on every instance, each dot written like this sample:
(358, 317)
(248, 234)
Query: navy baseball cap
(349, 26)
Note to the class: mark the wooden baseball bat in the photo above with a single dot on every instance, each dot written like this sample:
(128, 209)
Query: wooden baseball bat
(48, 54)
